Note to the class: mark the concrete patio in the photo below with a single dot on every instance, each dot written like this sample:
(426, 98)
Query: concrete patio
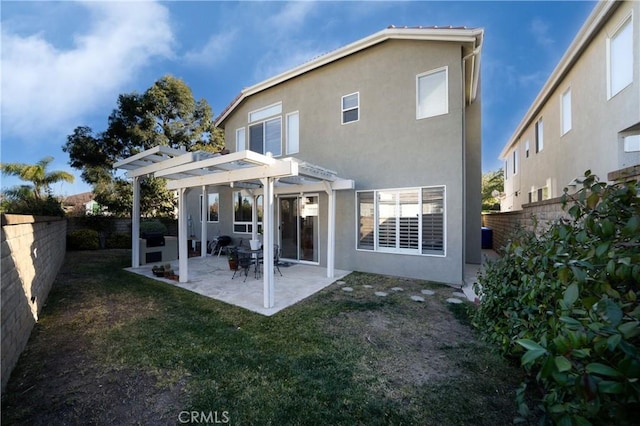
(211, 276)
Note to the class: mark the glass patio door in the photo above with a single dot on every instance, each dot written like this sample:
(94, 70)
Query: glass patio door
(299, 227)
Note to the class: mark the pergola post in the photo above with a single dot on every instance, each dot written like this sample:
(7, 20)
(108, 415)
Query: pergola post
(135, 224)
(268, 222)
(183, 251)
(204, 213)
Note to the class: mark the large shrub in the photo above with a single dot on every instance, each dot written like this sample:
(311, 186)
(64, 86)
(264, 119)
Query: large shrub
(83, 239)
(565, 302)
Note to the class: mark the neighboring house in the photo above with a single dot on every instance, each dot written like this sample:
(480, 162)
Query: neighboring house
(587, 115)
(81, 204)
(397, 113)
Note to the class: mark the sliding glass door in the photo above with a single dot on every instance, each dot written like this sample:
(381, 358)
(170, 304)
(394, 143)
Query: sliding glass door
(299, 227)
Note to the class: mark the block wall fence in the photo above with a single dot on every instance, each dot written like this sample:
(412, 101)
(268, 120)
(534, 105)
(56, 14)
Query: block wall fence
(32, 252)
(503, 224)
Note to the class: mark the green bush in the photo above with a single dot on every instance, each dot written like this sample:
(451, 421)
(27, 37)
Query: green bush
(153, 225)
(116, 240)
(83, 239)
(566, 304)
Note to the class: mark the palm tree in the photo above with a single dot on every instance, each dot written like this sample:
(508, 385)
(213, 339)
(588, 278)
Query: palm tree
(37, 175)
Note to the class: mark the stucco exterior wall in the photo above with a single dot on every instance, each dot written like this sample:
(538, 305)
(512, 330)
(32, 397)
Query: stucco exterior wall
(386, 148)
(33, 249)
(594, 141)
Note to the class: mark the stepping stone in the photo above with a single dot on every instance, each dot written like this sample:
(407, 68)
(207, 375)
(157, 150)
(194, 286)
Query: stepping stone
(367, 286)
(428, 292)
(459, 294)
(380, 293)
(397, 289)
(341, 282)
(347, 289)
(454, 300)
(417, 298)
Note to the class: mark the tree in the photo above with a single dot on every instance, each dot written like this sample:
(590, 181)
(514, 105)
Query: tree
(35, 198)
(165, 114)
(492, 184)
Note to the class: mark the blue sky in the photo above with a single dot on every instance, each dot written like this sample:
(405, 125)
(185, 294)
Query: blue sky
(65, 63)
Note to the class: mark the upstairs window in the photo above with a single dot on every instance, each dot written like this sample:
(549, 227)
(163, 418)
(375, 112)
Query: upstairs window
(632, 143)
(265, 133)
(566, 111)
(539, 136)
(515, 161)
(350, 108)
(293, 133)
(241, 144)
(620, 59)
(526, 149)
(432, 97)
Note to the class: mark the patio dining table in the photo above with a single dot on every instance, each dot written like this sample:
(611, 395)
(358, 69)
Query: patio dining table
(256, 255)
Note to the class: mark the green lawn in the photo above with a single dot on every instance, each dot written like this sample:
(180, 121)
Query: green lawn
(113, 347)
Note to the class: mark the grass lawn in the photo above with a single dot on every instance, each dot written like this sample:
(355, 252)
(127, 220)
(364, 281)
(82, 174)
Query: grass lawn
(113, 347)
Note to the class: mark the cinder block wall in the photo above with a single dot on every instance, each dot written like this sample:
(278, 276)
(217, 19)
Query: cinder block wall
(32, 252)
(537, 215)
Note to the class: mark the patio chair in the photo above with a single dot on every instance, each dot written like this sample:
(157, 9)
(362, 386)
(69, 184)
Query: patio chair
(245, 261)
(276, 258)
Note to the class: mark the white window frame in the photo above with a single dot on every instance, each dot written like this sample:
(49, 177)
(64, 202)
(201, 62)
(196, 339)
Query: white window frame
(442, 111)
(293, 133)
(261, 114)
(526, 148)
(626, 24)
(566, 112)
(631, 143)
(209, 204)
(515, 161)
(506, 169)
(356, 108)
(419, 251)
(241, 139)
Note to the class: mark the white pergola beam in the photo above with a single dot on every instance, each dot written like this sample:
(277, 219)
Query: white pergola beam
(241, 156)
(281, 168)
(162, 163)
(141, 155)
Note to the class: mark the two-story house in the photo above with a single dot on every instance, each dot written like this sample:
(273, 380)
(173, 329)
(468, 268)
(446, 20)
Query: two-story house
(587, 115)
(398, 114)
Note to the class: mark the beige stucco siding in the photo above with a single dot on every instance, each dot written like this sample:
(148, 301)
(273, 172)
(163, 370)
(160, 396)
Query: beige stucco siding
(593, 143)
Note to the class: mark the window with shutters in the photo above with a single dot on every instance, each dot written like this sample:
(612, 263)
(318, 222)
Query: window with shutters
(402, 220)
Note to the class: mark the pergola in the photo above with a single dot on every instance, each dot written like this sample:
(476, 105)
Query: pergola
(244, 169)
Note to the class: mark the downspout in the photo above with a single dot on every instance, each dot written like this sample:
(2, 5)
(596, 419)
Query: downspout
(472, 93)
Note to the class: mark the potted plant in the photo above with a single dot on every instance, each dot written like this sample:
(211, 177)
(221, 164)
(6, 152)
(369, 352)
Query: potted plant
(232, 256)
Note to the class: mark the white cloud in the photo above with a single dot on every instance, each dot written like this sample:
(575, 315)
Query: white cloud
(285, 48)
(214, 51)
(47, 89)
(540, 31)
